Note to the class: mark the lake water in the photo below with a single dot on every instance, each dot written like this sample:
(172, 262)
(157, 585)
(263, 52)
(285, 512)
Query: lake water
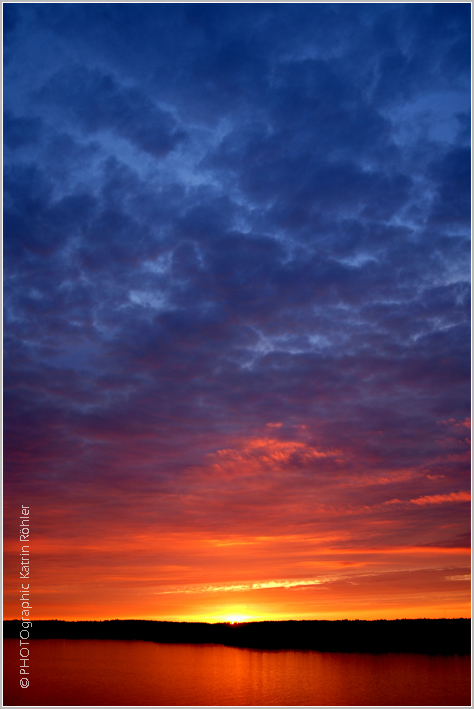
(133, 673)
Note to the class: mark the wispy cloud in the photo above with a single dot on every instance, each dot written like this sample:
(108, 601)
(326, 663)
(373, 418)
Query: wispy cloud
(464, 496)
(246, 586)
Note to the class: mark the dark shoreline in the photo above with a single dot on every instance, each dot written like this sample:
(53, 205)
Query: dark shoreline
(428, 636)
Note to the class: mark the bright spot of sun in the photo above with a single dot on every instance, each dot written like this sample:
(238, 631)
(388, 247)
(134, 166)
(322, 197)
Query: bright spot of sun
(235, 619)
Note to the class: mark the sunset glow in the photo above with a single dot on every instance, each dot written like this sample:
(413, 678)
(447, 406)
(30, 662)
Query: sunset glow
(237, 310)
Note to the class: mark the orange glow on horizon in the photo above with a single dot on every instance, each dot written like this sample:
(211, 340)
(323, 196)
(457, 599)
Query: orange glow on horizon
(347, 550)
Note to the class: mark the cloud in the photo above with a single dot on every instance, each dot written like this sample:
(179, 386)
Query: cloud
(18, 131)
(459, 577)
(98, 102)
(247, 586)
(439, 499)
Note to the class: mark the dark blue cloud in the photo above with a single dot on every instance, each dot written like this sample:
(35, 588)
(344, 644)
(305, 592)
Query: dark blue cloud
(222, 215)
(98, 103)
(18, 132)
(452, 180)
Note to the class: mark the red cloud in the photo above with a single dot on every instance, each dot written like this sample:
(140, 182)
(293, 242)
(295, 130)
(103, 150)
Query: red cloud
(439, 499)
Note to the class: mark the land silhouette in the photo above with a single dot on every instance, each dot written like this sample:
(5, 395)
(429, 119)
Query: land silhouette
(430, 636)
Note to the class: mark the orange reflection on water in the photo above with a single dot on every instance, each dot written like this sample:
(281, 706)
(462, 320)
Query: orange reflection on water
(134, 673)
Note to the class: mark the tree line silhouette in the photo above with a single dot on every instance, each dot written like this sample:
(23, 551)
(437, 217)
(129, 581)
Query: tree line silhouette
(431, 636)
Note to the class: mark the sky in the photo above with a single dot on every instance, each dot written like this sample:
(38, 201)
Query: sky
(236, 310)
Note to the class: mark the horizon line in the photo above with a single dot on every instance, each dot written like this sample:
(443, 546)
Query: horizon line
(227, 622)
